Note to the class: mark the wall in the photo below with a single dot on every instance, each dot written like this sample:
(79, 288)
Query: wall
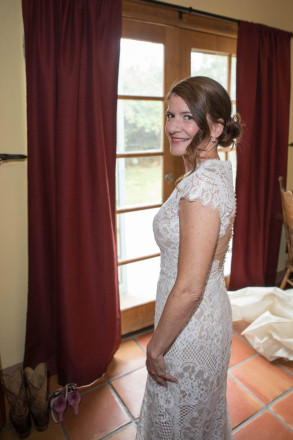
(13, 183)
(275, 13)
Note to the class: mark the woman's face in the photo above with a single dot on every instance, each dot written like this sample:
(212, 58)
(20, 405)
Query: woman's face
(180, 126)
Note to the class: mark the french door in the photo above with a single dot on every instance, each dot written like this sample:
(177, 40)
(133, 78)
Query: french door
(156, 50)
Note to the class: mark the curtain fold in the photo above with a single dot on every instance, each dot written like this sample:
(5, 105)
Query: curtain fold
(263, 100)
(72, 55)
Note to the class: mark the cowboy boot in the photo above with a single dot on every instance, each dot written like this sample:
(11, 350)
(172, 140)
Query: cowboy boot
(14, 388)
(38, 395)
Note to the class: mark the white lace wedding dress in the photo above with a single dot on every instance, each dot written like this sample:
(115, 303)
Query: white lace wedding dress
(195, 408)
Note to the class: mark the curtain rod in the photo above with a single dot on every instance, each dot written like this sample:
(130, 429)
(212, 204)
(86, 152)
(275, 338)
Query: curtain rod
(190, 10)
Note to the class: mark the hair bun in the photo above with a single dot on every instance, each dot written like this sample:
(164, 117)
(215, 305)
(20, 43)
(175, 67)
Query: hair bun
(232, 131)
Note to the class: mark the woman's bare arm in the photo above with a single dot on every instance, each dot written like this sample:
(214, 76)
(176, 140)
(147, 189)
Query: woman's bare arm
(199, 231)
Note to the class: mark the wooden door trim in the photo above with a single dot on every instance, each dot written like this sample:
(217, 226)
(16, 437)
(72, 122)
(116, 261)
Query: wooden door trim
(164, 16)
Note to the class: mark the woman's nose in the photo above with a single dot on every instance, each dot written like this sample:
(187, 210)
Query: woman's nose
(173, 125)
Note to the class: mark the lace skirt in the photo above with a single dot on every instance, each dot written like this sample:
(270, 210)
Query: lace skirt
(195, 408)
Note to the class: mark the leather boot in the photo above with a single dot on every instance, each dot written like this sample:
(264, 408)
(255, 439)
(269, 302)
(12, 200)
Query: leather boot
(38, 395)
(19, 415)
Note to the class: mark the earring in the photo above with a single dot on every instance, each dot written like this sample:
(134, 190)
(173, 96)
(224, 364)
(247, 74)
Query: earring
(213, 139)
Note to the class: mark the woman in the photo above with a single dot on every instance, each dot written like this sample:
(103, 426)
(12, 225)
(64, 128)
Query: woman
(188, 355)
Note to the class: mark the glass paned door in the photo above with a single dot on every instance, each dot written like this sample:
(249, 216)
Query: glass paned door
(213, 65)
(139, 167)
(156, 49)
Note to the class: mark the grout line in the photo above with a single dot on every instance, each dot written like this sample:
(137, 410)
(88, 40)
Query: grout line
(10, 428)
(243, 339)
(266, 407)
(239, 335)
(138, 333)
(275, 362)
(280, 419)
(244, 361)
(258, 414)
(120, 401)
(284, 368)
(246, 389)
(90, 390)
(133, 421)
(122, 428)
(124, 374)
(250, 419)
(6, 428)
(140, 346)
(277, 399)
(63, 427)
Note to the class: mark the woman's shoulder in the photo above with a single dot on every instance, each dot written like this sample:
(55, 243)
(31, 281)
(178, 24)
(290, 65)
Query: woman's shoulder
(214, 166)
(209, 172)
(211, 182)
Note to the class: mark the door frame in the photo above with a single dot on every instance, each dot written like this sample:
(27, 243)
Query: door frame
(180, 33)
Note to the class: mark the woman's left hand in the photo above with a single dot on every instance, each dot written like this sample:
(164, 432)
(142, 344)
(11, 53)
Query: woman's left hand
(157, 370)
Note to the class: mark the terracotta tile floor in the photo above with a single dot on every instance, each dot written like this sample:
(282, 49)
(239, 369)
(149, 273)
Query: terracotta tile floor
(260, 397)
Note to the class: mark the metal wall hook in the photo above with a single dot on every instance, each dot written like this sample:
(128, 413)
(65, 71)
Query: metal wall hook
(5, 157)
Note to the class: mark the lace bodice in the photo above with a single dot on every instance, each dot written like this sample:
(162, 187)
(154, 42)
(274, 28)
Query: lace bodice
(212, 185)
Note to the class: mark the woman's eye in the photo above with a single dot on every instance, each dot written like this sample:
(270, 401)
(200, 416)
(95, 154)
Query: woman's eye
(188, 117)
(169, 115)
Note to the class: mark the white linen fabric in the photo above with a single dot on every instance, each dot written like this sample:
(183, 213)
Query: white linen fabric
(195, 408)
(270, 312)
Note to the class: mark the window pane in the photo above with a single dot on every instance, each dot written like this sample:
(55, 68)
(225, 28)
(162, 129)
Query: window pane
(222, 155)
(212, 65)
(233, 78)
(141, 68)
(135, 234)
(138, 181)
(233, 160)
(139, 125)
(140, 279)
(228, 259)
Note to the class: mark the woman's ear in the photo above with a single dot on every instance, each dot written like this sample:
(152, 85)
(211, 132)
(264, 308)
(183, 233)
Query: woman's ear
(217, 128)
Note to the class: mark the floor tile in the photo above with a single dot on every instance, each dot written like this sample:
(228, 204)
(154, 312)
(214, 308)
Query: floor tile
(53, 384)
(131, 390)
(7, 421)
(99, 415)
(143, 340)
(240, 351)
(127, 358)
(128, 433)
(102, 415)
(265, 380)
(241, 404)
(284, 409)
(240, 326)
(93, 385)
(287, 364)
(54, 431)
(264, 427)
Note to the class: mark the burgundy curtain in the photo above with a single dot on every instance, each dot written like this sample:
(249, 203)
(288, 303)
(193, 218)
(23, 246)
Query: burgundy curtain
(263, 97)
(72, 54)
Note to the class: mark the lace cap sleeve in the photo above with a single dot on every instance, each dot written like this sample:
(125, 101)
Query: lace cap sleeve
(213, 187)
(201, 186)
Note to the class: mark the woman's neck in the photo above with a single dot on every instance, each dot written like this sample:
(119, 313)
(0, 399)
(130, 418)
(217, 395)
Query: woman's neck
(202, 156)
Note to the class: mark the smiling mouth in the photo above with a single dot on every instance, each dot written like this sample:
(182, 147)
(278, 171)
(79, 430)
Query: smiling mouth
(173, 139)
